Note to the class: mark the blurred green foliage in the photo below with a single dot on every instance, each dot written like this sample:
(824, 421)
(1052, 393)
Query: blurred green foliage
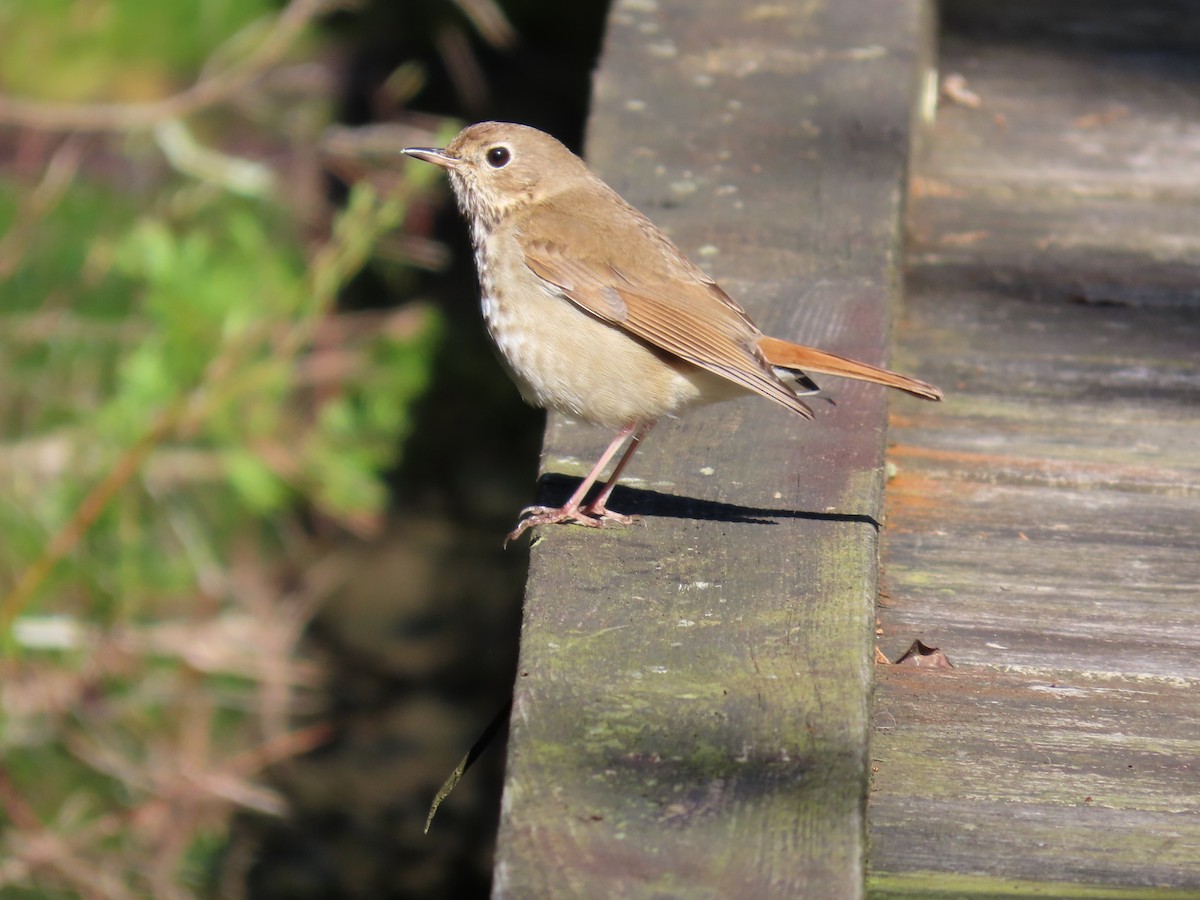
(175, 384)
(115, 316)
(77, 50)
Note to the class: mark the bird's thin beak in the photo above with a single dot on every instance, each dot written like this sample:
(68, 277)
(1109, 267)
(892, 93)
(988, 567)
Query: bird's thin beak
(433, 155)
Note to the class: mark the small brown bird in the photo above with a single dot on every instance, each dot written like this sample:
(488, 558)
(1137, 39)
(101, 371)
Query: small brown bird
(598, 315)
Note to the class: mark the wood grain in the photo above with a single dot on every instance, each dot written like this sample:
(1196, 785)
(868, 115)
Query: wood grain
(1044, 525)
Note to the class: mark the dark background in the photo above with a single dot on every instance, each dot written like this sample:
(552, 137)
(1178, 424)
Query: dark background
(422, 644)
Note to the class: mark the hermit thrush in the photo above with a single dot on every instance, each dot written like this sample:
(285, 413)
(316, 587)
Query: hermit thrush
(598, 315)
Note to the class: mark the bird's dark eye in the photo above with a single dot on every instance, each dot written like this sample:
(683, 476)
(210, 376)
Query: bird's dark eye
(498, 157)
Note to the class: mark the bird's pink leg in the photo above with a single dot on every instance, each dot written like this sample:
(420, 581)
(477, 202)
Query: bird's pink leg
(599, 506)
(594, 514)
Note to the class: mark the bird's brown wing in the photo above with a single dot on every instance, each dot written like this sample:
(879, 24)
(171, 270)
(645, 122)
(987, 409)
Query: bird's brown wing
(622, 270)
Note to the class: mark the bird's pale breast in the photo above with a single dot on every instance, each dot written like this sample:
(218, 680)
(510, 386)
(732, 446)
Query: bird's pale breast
(565, 359)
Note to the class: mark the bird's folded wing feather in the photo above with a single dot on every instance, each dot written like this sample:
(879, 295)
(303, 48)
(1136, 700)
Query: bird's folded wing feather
(635, 279)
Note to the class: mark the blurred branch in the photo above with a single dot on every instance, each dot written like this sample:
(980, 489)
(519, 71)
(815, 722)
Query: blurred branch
(86, 514)
(462, 66)
(226, 84)
(59, 174)
(215, 88)
(489, 20)
(185, 153)
(15, 806)
(34, 848)
(63, 325)
(342, 328)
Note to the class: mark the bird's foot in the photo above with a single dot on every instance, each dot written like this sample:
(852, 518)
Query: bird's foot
(588, 516)
(551, 515)
(606, 515)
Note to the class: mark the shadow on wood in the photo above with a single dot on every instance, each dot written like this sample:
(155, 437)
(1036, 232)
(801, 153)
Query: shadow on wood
(554, 489)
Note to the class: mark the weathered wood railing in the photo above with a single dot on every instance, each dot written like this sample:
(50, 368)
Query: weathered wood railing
(692, 707)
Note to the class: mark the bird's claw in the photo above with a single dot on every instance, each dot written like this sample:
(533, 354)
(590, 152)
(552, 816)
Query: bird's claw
(587, 516)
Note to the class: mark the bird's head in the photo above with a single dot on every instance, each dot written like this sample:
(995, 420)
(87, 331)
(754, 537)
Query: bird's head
(496, 167)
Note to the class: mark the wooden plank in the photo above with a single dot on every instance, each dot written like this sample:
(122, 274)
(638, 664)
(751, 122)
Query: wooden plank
(691, 706)
(1044, 524)
(1041, 778)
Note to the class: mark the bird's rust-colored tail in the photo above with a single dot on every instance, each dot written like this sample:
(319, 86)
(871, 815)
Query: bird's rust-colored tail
(796, 356)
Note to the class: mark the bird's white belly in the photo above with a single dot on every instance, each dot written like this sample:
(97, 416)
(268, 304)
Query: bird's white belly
(565, 359)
